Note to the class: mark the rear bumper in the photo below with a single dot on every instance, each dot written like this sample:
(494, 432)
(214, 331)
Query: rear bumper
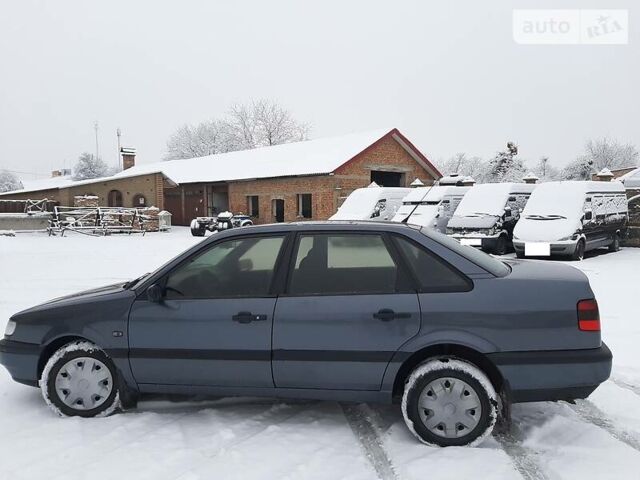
(564, 247)
(21, 360)
(553, 375)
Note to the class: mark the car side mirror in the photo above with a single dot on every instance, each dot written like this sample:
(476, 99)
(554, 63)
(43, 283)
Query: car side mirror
(155, 293)
(507, 211)
(588, 215)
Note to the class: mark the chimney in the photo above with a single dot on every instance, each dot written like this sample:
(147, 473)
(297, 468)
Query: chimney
(604, 175)
(56, 173)
(128, 157)
(530, 178)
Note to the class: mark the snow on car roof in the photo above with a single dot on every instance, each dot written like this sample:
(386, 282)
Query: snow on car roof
(435, 193)
(490, 198)
(631, 179)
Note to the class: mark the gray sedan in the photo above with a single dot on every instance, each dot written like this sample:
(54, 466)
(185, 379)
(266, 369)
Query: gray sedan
(357, 311)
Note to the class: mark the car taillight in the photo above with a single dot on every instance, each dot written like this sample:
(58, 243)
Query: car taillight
(588, 316)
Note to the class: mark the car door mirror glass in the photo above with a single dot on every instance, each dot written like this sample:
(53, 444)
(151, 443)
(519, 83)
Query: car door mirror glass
(155, 293)
(588, 215)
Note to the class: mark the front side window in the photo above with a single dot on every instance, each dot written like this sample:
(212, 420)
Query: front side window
(235, 268)
(342, 263)
(432, 273)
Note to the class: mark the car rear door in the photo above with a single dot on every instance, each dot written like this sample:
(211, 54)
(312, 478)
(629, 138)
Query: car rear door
(213, 328)
(347, 308)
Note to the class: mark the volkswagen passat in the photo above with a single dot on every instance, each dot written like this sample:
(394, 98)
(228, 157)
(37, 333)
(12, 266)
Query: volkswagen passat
(366, 312)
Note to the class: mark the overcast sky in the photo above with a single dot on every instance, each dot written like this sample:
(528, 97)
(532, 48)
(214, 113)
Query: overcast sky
(447, 73)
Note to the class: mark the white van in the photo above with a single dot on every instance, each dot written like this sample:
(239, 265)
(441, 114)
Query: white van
(430, 207)
(572, 217)
(371, 203)
(487, 215)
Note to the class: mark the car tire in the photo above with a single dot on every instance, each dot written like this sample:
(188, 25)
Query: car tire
(578, 253)
(502, 245)
(80, 380)
(196, 229)
(615, 244)
(449, 402)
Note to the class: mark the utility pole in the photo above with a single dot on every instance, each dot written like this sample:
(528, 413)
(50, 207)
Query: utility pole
(118, 134)
(95, 126)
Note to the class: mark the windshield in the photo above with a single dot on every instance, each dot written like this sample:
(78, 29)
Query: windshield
(484, 200)
(554, 201)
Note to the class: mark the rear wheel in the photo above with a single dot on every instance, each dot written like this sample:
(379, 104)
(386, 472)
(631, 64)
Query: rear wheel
(615, 244)
(80, 380)
(578, 253)
(449, 402)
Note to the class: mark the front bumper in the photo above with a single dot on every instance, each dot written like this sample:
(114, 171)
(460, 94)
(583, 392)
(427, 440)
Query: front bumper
(555, 374)
(563, 247)
(21, 360)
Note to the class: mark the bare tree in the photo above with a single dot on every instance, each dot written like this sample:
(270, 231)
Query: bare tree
(545, 171)
(89, 166)
(9, 181)
(466, 166)
(206, 138)
(601, 153)
(260, 123)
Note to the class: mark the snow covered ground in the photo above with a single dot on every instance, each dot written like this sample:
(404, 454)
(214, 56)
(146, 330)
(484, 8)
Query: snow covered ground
(269, 439)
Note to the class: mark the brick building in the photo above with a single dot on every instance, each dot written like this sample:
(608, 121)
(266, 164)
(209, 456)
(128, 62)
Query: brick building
(303, 180)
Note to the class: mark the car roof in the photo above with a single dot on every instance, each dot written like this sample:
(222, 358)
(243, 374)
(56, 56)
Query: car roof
(346, 225)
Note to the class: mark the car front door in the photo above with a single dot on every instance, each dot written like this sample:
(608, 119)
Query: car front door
(347, 309)
(213, 326)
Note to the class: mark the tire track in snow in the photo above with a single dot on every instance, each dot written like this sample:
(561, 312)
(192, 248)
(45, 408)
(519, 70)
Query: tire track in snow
(365, 430)
(524, 459)
(626, 385)
(588, 412)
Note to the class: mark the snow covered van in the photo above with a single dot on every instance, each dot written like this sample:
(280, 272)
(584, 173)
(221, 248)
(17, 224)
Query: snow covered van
(487, 215)
(430, 207)
(371, 203)
(572, 217)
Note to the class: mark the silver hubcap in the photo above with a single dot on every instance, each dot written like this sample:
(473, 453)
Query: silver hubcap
(449, 407)
(84, 383)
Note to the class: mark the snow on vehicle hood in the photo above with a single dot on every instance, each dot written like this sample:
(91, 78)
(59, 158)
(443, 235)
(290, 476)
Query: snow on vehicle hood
(472, 221)
(359, 204)
(545, 229)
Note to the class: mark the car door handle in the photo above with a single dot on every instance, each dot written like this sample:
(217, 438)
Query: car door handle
(387, 314)
(248, 317)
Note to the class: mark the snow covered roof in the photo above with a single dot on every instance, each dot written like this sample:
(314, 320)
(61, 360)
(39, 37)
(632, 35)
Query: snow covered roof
(52, 183)
(631, 179)
(311, 157)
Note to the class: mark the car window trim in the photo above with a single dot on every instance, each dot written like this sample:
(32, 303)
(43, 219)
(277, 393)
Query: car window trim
(162, 281)
(437, 258)
(294, 252)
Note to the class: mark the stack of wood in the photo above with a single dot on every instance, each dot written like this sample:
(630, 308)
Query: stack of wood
(148, 219)
(86, 201)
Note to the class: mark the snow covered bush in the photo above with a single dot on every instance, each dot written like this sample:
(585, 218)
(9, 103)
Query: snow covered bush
(89, 166)
(9, 182)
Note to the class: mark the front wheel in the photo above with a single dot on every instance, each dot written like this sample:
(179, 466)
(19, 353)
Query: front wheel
(502, 245)
(578, 253)
(80, 380)
(615, 244)
(449, 402)
(196, 229)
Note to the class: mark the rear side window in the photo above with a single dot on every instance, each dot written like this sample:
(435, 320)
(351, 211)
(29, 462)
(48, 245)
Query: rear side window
(431, 272)
(484, 261)
(328, 264)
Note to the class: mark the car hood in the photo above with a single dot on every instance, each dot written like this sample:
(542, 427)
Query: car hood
(534, 230)
(485, 221)
(78, 297)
